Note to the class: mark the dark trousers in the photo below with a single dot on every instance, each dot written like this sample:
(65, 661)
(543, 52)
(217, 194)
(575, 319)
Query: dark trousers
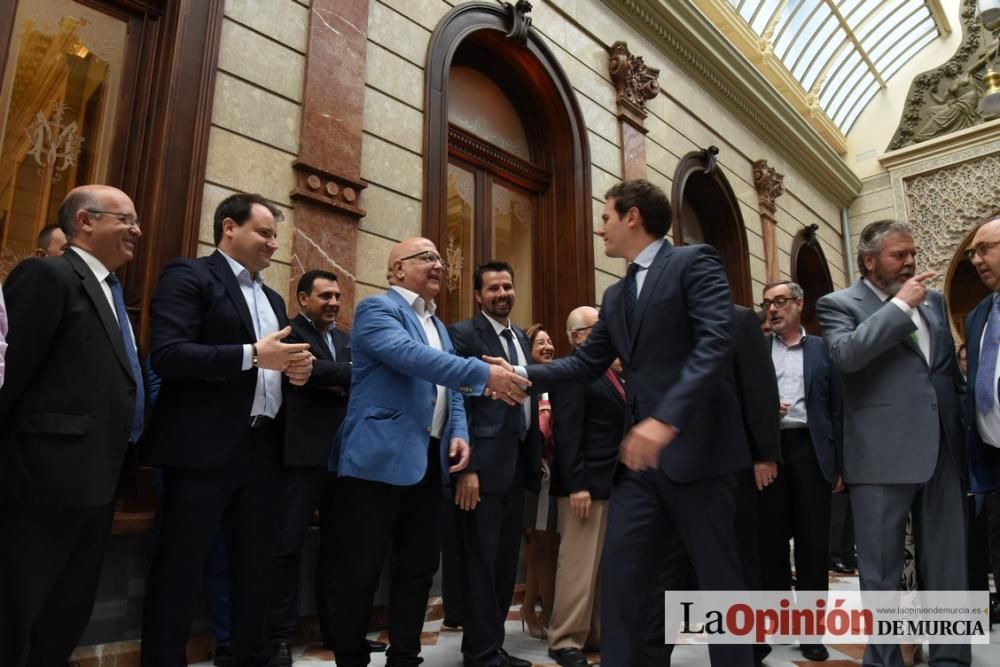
(984, 540)
(242, 497)
(489, 538)
(50, 563)
(645, 507)
(304, 490)
(677, 573)
(375, 515)
(842, 530)
(795, 506)
(452, 598)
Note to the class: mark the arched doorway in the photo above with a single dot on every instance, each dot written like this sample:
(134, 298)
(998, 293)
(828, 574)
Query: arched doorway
(705, 210)
(962, 287)
(811, 272)
(518, 183)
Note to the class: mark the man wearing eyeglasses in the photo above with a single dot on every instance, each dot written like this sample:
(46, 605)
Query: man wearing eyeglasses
(904, 448)
(71, 412)
(405, 433)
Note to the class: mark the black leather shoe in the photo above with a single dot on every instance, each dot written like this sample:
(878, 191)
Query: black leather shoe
(376, 646)
(815, 652)
(511, 661)
(222, 656)
(281, 655)
(840, 567)
(568, 657)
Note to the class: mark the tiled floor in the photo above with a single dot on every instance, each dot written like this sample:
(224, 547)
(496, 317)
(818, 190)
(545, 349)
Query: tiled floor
(442, 649)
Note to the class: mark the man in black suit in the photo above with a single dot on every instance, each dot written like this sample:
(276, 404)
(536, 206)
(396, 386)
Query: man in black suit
(217, 431)
(489, 494)
(669, 322)
(588, 422)
(313, 414)
(71, 410)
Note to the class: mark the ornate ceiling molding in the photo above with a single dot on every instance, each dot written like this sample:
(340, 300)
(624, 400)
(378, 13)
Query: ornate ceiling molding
(690, 39)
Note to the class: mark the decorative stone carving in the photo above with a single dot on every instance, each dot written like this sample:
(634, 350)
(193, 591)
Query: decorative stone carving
(769, 183)
(946, 98)
(329, 190)
(635, 82)
(944, 205)
(520, 21)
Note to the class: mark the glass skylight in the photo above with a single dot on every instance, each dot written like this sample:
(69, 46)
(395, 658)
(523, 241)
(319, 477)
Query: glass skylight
(842, 50)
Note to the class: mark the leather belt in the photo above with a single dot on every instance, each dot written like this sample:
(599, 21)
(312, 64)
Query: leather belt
(260, 421)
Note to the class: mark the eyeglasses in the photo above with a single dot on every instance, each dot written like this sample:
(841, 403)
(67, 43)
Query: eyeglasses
(127, 218)
(778, 302)
(980, 249)
(579, 329)
(428, 257)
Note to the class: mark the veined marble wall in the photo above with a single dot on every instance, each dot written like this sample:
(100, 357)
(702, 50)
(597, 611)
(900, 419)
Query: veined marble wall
(256, 115)
(579, 33)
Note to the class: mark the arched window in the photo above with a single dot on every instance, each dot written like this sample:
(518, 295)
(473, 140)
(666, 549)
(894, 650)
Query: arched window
(507, 166)
(811, 272)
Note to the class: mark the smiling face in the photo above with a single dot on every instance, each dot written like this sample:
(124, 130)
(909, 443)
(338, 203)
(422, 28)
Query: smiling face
(416, 265)
(615, 228)
(894, 264)
(322, 304)
(496, 298)
(253, 243)
(542, 350)
(107, 236)
(986, 259)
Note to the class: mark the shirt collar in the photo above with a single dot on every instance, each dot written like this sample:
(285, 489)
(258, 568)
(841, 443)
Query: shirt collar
(241, 272)
(879, 292)
(416, 301)
(648, 254)
(496, 325)
(95, 265)
(331, 327)
(781, 340)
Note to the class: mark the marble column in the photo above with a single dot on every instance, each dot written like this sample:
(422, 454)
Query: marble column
(635, 83)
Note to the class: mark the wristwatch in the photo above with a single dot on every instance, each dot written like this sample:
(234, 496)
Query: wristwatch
(254, 359)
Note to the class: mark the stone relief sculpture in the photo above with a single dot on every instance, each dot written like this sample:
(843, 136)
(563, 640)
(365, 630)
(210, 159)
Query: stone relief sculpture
(946, 99)
(635, 81)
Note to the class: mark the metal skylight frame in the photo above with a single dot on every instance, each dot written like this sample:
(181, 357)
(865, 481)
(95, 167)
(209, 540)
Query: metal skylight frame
(843, 51)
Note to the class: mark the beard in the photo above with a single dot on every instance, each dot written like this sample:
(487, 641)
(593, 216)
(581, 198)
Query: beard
(890, 283)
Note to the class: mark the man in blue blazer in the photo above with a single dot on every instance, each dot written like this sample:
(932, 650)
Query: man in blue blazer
(405, 429)
(796, 502)
(669, 322)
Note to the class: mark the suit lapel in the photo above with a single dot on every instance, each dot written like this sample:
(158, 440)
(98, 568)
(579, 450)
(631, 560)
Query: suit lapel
(489, 337)
(315, 339)
(649, 286)
(100, 301)
(220, 267)
(409, 314)
(808, 355)
(974, 336)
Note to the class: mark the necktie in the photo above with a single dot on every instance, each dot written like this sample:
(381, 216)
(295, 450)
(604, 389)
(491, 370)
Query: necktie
(986, 389)
(522, 425)
(631, 293)
(133, 357)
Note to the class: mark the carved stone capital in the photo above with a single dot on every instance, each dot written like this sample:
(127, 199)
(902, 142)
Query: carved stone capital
(332, 191)
(635, 82)
(770, 185)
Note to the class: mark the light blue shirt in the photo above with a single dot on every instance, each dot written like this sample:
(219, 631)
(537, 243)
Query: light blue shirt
(644, 259)
(267, 393)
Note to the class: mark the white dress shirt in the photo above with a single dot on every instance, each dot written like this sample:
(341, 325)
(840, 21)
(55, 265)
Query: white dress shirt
(644, 259)
(425, 313)
(923, 333)
(267, 393)
(521, 360)
(989, 424)
(101, 272)
(789, 367)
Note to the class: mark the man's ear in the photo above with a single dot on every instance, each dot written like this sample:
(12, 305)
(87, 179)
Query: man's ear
(302, 296)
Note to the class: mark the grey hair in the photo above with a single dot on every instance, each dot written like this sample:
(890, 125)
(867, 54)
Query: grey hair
(793, 288)
(873, 236)
(75, 201)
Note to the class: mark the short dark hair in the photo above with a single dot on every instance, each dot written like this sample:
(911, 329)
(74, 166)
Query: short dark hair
(497, 265)
(45, 236)
(652, 202)
(872, 237)
(310, 277)
(238, 208)
(75, 201)
(794, 289)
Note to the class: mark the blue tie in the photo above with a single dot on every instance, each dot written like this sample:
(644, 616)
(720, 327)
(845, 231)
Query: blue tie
(631, 293)
(986, 388)
(133, 357)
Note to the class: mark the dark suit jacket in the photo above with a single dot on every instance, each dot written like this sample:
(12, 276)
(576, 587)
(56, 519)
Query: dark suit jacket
(677, 361)
(67, 404)
(984, 459)
(824, 405)
(588, 423)
(199, 323)
(314, 412)
(756, 386)
(493, 436)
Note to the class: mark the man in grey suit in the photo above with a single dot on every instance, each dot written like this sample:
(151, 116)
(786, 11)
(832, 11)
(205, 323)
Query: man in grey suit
(888, 336)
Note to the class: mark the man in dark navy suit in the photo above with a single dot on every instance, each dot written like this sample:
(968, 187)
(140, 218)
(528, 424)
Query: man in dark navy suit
(669, 322)
(504, 461)
(217, 433)
(71, 412)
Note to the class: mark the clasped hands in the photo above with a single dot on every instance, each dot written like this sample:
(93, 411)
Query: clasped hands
(293, 359)
(504, 384)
